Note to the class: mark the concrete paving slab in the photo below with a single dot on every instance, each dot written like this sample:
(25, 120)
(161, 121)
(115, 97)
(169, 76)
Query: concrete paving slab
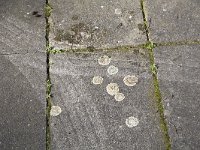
(22, 97)
(23, 75)
(174, 20)
(179, 78)
(95, 23)
(87, 116)
(20, 30)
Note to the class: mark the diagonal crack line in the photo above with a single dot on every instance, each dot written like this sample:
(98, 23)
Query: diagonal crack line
(158, 98)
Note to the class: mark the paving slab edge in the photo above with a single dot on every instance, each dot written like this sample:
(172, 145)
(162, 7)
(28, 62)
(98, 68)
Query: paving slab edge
(123, 48)
(158, 99)
(157, 94)
(48, 10)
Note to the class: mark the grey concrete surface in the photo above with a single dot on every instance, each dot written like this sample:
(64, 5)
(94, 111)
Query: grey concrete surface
(20, 30)
(22, 75)
(173, 20)
(96, 23)
(91, 119)
(179, 78)
(22, 97)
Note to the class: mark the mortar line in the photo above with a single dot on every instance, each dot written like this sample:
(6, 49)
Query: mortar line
(144, 20)
(126, 47)
(158, 97)
(48, 79)
(177, 43)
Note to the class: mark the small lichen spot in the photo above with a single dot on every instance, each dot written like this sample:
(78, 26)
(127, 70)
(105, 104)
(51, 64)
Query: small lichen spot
(112, 70)
(104, 60)
(132, 122)
(119, 97)
(112, 88)
(97, 80)
(55, 111)
(130, 80)
(118, 11)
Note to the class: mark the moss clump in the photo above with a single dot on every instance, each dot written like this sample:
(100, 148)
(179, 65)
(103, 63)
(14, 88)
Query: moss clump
(56, 51)
(91, 48)
(149, 45)
(48, 10)
(163, 123)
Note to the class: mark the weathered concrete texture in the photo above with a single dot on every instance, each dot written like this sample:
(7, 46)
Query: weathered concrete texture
(179, 78)
(22, 75)
(20, 30)
(96, 23)
(91, 119)
(174, 20)
(22, 98)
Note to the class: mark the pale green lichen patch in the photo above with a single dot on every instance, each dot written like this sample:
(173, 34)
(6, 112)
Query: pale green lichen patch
(130, 80)
(119, 97)
(97, 80)
(104, 60)
(55, 111)
(132, 122)
(112, 70)
(112, 89)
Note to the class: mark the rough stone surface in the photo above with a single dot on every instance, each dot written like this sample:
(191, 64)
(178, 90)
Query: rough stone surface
(91, 119)
(174, 20)
(22, 98)
(179, 78)
(22, 75)
(96, 23)
(20, 30)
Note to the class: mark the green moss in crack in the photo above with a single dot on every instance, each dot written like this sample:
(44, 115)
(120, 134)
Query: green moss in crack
(48, 10)
(144, 19)
(149, 45)
(91, 48)
(153, 68)
(56, 51)
(48, 109)
(158, 98)
(160, 107)
(177, 43)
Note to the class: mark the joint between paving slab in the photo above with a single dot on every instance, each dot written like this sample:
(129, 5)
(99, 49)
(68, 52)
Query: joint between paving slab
(125, 48)
(48, 10)
(158, 99)
(142, 3)
(159, 104)
(178, 43)
(121, 48)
